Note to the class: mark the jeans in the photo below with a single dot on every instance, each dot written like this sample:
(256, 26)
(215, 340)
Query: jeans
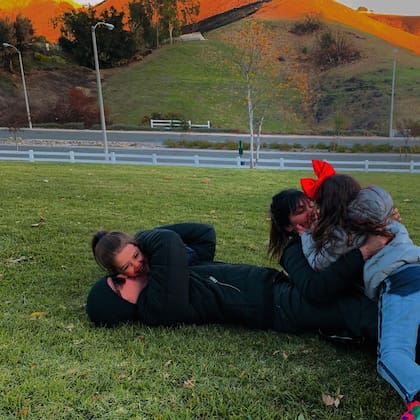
(398, 326)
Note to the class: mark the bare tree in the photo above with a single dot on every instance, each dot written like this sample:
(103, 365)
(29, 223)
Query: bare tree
(255, 61)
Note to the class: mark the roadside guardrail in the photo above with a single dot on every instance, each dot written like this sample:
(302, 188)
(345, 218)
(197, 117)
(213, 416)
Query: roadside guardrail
(202, 161)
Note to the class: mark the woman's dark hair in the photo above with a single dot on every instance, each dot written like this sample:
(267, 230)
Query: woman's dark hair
(105, 245)
(282, 205)
(333, 198)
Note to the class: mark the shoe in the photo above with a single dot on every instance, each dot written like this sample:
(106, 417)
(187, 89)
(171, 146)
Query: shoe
(413, 411)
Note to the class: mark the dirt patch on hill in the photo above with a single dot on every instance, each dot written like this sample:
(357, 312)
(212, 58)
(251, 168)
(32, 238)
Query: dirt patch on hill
(45, 89)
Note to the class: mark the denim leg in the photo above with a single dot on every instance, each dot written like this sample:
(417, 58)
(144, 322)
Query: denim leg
(399, 320)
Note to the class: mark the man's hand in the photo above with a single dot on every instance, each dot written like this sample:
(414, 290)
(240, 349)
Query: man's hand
(373, 244)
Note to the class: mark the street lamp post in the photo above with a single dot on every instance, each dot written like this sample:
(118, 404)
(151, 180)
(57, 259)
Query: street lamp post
(28, 113)
(110, 27)
(391, 115)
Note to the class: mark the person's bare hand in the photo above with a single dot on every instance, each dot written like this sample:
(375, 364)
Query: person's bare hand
(395, 215)
(132, 288)
(313, 220)
(373, 244)
(300, 229)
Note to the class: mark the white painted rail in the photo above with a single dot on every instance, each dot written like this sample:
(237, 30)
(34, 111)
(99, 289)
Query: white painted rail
(203, 161)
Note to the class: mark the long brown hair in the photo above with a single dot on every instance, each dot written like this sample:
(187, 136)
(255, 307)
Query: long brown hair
(333, 197)
(105, 245)
(282, 205)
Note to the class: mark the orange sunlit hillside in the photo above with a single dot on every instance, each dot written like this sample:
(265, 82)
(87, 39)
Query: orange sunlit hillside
(336, 12)
(41, 13)
(207, 7)
(399, 30)
(406, 23)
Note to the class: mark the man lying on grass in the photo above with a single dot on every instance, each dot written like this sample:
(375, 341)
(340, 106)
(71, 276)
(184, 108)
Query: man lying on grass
(168, 276)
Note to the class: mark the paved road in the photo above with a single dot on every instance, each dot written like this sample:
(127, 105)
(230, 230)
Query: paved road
(147, 148)
(158, 137)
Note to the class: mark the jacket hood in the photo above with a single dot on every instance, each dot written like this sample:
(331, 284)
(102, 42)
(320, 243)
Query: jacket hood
(105, 308)
(371, 203)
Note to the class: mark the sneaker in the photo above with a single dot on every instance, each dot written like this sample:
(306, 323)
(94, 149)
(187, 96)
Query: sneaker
(413, 411)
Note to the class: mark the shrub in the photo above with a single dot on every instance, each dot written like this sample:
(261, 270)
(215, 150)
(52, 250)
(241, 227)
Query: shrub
(309, 25)
(333, 50)
(79, 107)
(408, 127)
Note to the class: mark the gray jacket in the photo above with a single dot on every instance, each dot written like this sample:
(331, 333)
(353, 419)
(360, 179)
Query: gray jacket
(375, 204)
(399, 251)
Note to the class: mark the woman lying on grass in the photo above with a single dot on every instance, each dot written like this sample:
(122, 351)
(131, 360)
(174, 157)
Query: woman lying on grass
(167, 276)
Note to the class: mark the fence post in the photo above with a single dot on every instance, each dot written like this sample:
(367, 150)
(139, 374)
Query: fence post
(196, 160)
(31, 156)
(281, 163)
(366, 165)
(411, 166)
(238, 161)
(72, 160)
(154, 159)
(113, 157)
(152, 123)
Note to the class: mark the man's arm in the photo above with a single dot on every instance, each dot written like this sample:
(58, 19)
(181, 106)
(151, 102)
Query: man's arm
(168, 277)
(324, 286)
(339, 279)
(200, 237)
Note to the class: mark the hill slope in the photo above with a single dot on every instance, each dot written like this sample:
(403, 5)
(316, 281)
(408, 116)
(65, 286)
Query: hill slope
(42, 13)
(335, 12)
(397, 30)
(409, 24)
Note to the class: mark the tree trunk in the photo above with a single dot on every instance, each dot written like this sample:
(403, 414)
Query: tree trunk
(251, 125)
(260, 123)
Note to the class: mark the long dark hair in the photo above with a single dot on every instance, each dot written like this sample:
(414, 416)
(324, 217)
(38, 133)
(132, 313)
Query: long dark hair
(333, 198)
(282, 205)
(105, 245)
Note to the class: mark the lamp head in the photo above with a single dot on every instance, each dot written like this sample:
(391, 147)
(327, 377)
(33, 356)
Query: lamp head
(109, 26)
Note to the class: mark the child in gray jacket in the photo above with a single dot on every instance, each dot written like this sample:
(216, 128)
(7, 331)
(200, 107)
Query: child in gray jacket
(392, 276)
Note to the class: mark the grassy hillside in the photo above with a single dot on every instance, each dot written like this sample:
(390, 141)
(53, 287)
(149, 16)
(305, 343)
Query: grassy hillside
(195, 80)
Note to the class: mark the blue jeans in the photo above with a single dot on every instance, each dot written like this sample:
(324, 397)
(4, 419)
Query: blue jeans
(398, 324)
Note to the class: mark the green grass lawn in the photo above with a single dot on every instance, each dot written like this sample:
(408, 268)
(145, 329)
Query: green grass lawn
(54, 364)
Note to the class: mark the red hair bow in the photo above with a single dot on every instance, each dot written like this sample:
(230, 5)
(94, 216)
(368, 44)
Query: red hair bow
(322, 170)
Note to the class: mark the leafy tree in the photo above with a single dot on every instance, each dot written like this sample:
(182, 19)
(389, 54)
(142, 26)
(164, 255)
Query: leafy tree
(141, 25)
(6, 35)
(24, 32)
(18, 33)
(6, 31)
(113, 46)
(177, 13)
(168, 16)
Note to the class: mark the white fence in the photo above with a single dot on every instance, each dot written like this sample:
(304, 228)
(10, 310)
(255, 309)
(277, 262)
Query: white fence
(219, 161)
(176, 124)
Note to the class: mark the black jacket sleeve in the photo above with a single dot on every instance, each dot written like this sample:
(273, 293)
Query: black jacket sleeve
(200, 237)
(168, 279)
(341, 278)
